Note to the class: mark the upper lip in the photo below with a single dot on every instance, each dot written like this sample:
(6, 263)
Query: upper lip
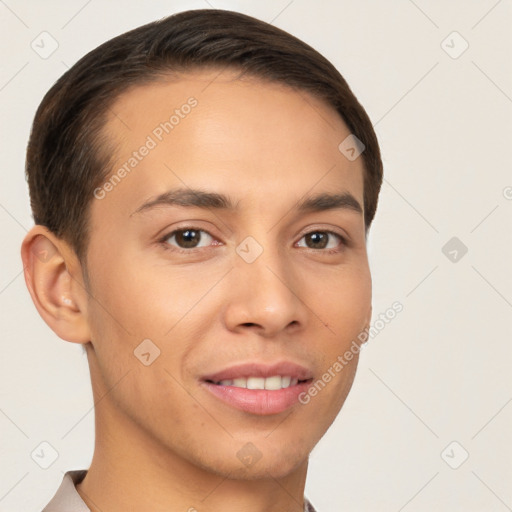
(283, 368)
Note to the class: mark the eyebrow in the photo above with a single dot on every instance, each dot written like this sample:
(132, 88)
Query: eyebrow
(212, 200)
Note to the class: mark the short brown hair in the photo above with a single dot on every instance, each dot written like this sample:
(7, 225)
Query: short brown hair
(66, 154)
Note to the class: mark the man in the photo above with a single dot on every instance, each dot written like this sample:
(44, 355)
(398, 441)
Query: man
(202, 190)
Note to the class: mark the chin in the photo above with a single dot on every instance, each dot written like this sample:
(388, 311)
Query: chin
(275, 464)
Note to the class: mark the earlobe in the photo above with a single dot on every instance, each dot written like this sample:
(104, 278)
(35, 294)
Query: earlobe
(50, 284)
(368, 319)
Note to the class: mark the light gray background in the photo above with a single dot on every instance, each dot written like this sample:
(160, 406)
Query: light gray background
(440, 371)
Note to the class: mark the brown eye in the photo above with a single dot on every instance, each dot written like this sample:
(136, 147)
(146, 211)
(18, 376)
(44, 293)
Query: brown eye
(188, 238)
(317, 240)
(322, 240)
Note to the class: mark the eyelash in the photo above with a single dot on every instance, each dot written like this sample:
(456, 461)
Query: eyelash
(166, 246)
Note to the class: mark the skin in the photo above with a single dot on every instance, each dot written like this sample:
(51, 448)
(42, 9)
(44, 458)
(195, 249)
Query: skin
(162, 441)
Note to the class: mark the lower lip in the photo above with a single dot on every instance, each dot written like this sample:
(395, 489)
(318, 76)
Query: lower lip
(258, 401)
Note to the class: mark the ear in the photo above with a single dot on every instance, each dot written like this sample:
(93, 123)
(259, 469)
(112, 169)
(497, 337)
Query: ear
(53, 276)
(365, 328)
(368, 318)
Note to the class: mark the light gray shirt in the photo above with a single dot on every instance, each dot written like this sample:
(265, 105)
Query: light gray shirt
(67, 498)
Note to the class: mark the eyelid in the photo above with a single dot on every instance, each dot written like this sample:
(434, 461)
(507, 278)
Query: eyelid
(327, 229)
(194, 224)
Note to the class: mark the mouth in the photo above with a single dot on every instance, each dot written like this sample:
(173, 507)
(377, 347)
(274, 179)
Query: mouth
(258, 388)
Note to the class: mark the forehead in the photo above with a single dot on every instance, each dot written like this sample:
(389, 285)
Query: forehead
(210, 129)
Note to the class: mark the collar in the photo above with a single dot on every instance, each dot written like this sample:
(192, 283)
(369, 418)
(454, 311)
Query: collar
(67, 499)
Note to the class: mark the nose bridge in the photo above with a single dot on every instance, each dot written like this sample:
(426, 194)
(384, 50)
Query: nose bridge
(267, 292)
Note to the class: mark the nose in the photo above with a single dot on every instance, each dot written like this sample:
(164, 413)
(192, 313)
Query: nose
(265, 296)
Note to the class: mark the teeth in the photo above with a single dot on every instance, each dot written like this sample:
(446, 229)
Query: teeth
(256, 383)
(271, 383)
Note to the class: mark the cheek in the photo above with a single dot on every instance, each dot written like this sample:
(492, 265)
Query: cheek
(343, 302)
(137, 298)
(345, 306)
(135, 302)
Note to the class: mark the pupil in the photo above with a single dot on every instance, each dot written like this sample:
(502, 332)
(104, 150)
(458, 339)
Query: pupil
(188, 238)
(318, 237)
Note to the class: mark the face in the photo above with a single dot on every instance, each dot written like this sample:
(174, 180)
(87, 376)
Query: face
(248, 270)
